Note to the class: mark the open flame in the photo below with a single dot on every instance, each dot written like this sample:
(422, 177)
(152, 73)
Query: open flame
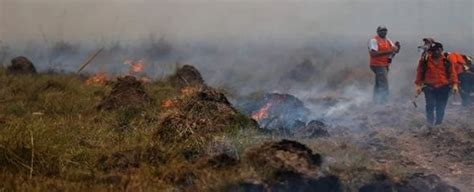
(99, 78)
(136, 66)
(262, 113)
(144, 79)
(167, 104)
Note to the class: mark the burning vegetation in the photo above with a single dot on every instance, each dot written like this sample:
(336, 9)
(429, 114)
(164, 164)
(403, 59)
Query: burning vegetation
(135, 69)
(100, 78)
(262, 113)
(274, 110)
(181, 134)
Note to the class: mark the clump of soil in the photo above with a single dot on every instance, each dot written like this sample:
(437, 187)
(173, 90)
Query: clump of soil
(284, 158)
(289, 165)
(197, 116)
(274, 110)
(127, 92)
(21, 65)
(187, 75)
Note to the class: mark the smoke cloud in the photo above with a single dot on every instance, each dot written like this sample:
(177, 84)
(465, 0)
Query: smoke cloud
(244, 45)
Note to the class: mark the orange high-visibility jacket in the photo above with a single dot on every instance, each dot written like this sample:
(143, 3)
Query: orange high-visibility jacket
(435, 74)
(457, 60)
(383, 45)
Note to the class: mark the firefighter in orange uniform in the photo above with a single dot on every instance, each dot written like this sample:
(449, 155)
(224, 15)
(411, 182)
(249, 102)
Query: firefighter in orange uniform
(462, 66)
(381, 52)
(436, 76)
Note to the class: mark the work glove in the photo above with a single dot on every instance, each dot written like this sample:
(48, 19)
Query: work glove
(455, 88)
(418, 89)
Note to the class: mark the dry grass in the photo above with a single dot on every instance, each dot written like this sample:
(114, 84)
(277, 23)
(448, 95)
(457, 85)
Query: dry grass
(53, 138)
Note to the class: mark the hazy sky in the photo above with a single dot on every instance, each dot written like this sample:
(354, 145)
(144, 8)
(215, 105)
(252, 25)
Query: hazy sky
(241, 20)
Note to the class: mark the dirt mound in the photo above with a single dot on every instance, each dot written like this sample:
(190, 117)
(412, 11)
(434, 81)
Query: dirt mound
(197, 116)
(290, 166)
(187, 75)
(274, 110)
(284, 158)
(414, 183)
(21, 65)
(127, 92)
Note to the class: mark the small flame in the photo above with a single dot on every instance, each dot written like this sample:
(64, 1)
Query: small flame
(144, 79)
(99, 78)
(136, 66)
(262, 113)
(167, 104)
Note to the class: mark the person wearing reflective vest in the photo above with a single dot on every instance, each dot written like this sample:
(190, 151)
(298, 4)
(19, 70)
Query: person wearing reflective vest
(381, 52)
(462, 66)
(436, 77)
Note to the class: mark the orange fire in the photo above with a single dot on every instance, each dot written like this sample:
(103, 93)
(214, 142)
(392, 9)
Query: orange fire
(167, 104)
(262, 113)
(99, 78)
(136, 66)
(144, 79)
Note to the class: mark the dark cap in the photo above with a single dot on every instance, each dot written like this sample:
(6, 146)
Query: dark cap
(381, 28)
(436, 45)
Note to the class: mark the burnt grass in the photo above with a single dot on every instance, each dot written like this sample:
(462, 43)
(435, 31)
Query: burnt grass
(59, 134)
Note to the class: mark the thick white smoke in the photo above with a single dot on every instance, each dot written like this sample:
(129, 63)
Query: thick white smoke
(246, 45)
